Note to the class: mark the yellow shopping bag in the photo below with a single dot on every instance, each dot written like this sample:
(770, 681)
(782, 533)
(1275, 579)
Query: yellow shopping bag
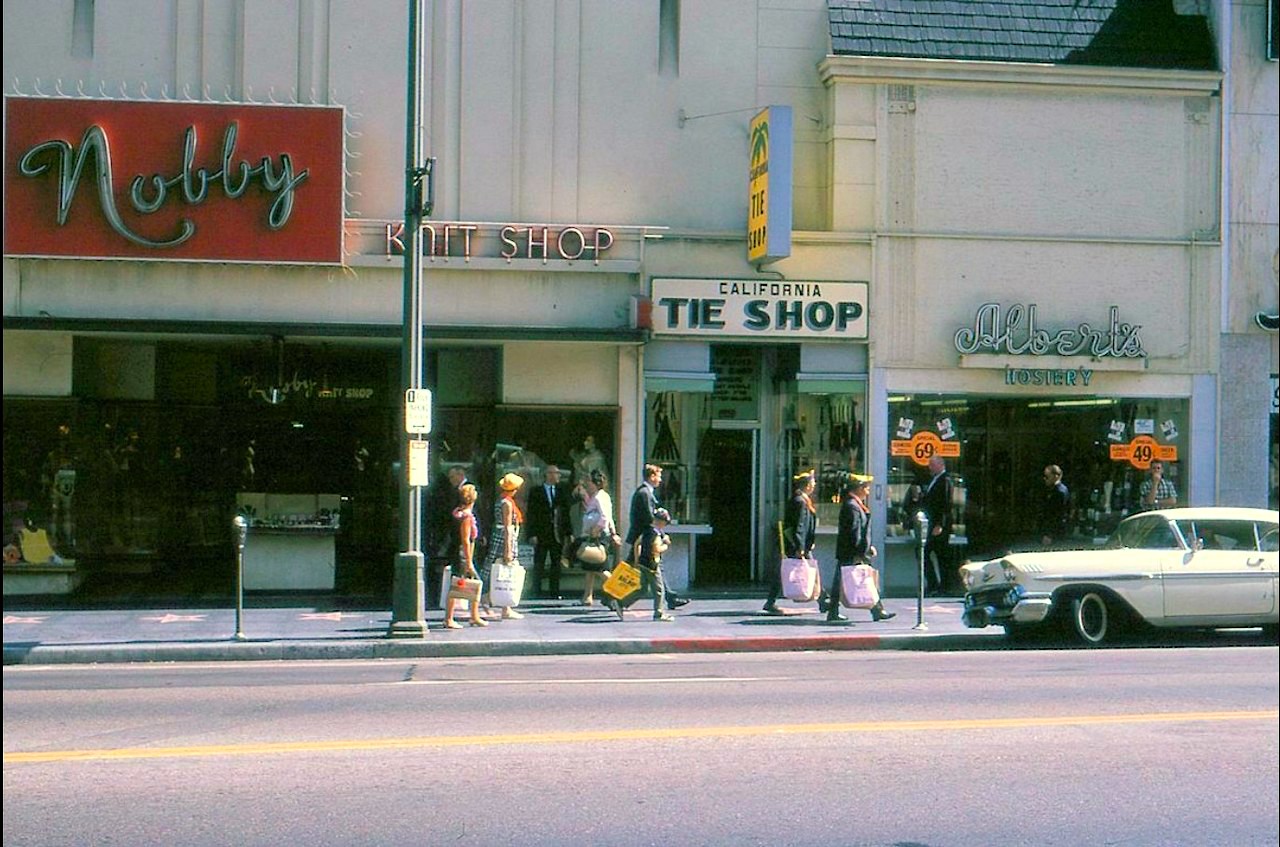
(623, 582)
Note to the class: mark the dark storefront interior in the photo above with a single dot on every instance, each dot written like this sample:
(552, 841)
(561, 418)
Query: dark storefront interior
(140, 493)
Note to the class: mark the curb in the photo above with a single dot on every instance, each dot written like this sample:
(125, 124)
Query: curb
(276, 650)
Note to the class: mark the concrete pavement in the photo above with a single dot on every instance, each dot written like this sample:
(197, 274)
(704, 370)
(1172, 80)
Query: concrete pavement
(549, 627)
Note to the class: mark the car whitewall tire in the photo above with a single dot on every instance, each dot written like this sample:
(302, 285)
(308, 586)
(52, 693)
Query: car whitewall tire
(1091, 618)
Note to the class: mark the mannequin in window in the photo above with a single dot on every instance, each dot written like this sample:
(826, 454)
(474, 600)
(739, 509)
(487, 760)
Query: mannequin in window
(58, 477)
(248, 472)
(588, 459)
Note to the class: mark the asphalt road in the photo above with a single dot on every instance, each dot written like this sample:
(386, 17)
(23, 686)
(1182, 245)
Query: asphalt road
(1125, 747)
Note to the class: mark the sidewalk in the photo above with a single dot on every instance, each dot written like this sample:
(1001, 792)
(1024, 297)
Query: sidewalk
(549, 627)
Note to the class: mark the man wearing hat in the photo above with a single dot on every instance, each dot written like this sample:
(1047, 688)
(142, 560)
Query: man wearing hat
(799, 534)
(853, 540)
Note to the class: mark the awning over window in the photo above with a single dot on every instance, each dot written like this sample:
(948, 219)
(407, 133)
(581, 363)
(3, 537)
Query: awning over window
(678, 366)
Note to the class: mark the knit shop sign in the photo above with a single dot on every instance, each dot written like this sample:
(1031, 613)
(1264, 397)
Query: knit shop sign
(759, 308)
(173, 180)
(507, 241)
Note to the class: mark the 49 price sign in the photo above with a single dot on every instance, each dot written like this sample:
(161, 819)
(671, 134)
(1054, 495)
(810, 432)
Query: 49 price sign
(923, 446)
(1141, 451)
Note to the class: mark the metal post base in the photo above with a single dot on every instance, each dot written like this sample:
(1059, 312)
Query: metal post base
(407, 611)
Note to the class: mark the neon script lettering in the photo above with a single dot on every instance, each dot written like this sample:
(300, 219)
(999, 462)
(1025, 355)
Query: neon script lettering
(280, 181)
(997, 332)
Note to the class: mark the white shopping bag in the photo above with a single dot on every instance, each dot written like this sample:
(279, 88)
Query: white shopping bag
(446, 576)
(800, 580)
(506, 583)
(859, 586)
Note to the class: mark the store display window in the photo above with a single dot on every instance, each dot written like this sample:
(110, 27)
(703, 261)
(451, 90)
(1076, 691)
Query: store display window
(997, 448)
(822, 430)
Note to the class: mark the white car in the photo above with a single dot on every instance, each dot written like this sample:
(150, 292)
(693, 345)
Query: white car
(1202, 567)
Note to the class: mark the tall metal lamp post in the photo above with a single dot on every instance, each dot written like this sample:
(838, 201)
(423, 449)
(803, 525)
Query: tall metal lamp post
(408, 606)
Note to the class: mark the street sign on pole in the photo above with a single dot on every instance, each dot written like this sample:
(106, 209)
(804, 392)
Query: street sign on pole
(417, 411)
(419, 463)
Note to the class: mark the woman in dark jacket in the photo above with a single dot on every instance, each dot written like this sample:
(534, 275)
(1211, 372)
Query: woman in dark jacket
(853, 540)
(799, 534)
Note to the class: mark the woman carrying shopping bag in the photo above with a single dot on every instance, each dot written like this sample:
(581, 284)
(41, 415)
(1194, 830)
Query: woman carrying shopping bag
(507, 519)
(853, 542)
(800, 533)
(601, 536)
(465, 522)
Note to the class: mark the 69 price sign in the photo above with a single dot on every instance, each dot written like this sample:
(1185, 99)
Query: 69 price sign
(1142, 451)
(923, 446)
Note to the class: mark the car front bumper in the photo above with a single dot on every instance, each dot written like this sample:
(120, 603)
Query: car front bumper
(1008, 604)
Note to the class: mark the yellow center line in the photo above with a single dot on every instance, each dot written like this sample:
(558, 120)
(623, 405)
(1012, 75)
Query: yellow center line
(372, 744)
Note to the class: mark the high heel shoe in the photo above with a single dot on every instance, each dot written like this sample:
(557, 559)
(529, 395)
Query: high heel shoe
(479, 622)
(879, 614)
(452, 625)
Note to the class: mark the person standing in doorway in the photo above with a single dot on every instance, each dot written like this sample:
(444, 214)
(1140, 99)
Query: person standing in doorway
(799, 534)
(1055, 508)
(1156, 492)
(936, 500)
(545, 517)
(853, 541)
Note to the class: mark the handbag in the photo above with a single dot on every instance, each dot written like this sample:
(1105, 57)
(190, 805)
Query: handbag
(458, 588)
(800, 580)
(506, 583)
(859, 586)
(592, 552)
(623, 582)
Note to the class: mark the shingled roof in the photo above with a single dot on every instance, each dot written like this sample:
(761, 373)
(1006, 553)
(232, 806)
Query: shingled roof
(1109, 33)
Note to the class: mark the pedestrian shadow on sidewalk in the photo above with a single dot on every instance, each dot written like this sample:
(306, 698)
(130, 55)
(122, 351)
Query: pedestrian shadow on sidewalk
(793, 620)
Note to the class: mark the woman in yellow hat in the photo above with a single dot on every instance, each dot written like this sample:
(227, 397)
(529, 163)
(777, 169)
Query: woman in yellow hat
(853, 541)
(507, 519)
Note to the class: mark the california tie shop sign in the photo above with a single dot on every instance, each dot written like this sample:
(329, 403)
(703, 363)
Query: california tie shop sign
(758, 308)
(173, 181)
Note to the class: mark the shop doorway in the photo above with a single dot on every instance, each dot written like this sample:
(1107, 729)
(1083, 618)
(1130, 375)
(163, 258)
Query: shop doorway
(727, 478)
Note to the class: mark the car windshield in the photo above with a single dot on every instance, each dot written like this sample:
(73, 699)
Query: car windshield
(1144, 532)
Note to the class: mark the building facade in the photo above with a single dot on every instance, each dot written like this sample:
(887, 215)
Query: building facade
(1011, 258)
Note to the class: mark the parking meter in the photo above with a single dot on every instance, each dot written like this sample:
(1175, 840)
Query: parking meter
(922, 539)
(242, 533)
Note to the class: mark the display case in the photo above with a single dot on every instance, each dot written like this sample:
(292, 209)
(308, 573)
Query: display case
(291, 541)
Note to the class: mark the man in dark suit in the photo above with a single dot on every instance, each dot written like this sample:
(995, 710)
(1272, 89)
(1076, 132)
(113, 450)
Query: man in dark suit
(547, 520)
(937, 507)
(644, 502)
